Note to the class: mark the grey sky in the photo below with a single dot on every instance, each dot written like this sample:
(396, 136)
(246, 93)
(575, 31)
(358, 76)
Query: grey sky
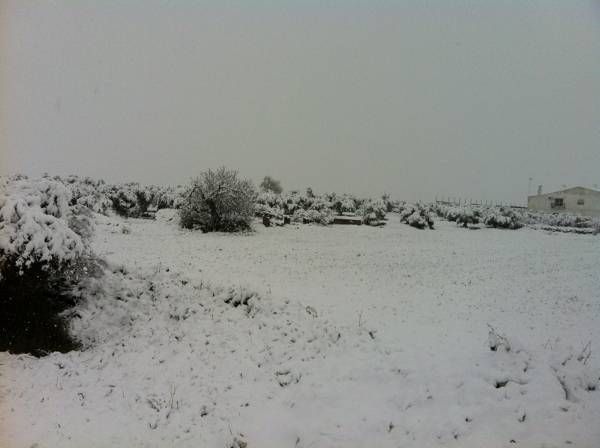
(463, 98)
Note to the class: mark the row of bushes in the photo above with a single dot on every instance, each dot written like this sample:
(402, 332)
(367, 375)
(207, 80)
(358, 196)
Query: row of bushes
(127, 199)
(561, 220)
(134, 200)
(214, 192)
(513, 218)
(465, 216)
(308, 208)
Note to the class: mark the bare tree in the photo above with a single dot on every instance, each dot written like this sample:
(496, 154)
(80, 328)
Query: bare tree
(218, 201)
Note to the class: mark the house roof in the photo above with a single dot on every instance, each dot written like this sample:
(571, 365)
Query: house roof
(570, 190)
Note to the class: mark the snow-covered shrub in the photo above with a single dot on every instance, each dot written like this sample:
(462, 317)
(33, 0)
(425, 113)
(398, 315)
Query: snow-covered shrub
(342, 205)
(218, 201)
(561, 220)
(464, 216)
(124, 199)
(320, 211)
(390, 204)
(87, 192)
(451, 213)
(269, 207)
(416, 219)
(348, 205)
(416, 215)
(503, 217)
(292, 202)
(43, 250)
(322, 216)
(304, 209)
(269, 204)
(160, 197)
(373, 211)
(133, 200)
(34, 225)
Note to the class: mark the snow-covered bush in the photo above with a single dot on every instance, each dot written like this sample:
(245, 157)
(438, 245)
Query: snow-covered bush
(390, 204)
(463, 216)
(87, 192)
(128, 199)
(320, 211)
(561, 220)
(312, 215)
(133, 200)
(43, 252)
(161, 197)
(292, 202)
(35, 225)
(300, 208)
(269, 204)
(218, 201)
(416, 215)
(373, 211)
(451, 213)
(342, 205)
(124, 199)
(269, 207)
(348, 205)
(504, 218)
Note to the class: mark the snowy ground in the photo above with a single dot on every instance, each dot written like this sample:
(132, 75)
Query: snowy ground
(345, 337)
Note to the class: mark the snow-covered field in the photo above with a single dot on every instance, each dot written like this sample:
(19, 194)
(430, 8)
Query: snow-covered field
(310, 336)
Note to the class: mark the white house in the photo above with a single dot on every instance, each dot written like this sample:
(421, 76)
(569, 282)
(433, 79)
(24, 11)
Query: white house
(577, 200)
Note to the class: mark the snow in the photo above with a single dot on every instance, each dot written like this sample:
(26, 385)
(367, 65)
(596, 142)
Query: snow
(34, 223)
(343, 336)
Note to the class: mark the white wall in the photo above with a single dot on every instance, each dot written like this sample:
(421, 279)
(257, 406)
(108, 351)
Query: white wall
(590, 207)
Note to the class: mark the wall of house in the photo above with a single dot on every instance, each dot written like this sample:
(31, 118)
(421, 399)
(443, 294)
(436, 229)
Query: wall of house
(590, 207)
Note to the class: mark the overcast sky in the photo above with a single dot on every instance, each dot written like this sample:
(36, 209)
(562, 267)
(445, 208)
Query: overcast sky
(416, 98)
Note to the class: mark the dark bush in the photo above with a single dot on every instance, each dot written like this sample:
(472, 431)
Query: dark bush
(30, 319)
(272, 185)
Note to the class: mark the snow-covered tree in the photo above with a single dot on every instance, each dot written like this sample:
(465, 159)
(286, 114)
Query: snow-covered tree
(218, 201)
